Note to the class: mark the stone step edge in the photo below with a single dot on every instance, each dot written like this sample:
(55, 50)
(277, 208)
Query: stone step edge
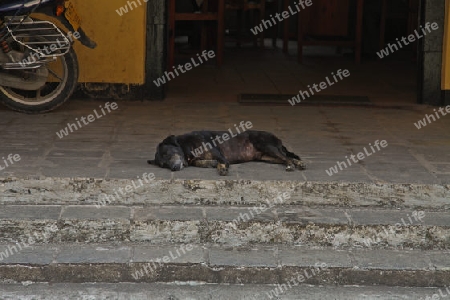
(141, 272)
(340, 232)
(293, 214)
(204, 291)
(66, 190)
(217, 256)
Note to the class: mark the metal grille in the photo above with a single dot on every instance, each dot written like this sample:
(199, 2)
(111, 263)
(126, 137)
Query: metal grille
(41, 37)
(282, 99)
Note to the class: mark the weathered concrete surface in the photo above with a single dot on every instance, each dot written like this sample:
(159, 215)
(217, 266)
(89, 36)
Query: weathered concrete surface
(116, 273)
(225, 192)
(202, 291)
(118, 145)
(341, 228)
(413, 172)
(216, 255)
(214, 264)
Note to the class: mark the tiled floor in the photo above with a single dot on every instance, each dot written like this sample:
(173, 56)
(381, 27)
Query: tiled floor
(118, 145)
(252, 70)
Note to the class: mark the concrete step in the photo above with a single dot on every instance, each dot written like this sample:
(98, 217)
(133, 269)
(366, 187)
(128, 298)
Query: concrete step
(341, 228)
(252, 232)
(202, 291)
(64, 191)
(259, 264)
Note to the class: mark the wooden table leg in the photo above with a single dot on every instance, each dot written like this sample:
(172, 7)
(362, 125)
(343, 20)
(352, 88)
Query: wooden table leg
(300, 38)
(262, 14)
(383, 24)
(171, 54)
(220, 32)
(275, 4)
(204, 29)
(285, 28)
(359, 25)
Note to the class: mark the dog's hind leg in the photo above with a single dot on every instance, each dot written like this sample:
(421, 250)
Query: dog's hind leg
(295, 158)
(299, 164)
(205, 163)
(290, 166)
(222, 163)
(271, 159)
(289, 154)
(275, 155)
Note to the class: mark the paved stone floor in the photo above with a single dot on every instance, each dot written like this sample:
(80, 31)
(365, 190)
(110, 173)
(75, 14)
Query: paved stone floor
(200, 291)
(249, 70)
(118, 144)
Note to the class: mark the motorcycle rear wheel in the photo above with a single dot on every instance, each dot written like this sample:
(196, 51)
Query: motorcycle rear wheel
(53, 94)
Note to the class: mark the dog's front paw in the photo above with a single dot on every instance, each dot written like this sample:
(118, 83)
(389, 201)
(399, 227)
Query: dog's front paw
(290, 168)
(222, 169)
(299, 164)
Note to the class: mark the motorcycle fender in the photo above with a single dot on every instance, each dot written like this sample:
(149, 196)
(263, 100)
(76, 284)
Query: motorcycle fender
(83, 38)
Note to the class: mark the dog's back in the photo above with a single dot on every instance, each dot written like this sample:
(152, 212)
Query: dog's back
(203, 148)
(236, 147)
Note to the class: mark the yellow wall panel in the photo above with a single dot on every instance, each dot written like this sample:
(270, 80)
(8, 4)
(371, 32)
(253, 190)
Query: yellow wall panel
(120, 54)
(121, 41)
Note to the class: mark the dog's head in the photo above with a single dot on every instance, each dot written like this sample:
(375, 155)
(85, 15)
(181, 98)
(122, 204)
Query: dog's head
(169, 154)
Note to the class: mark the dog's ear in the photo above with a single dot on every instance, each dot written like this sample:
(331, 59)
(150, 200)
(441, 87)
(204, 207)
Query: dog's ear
(171, 140)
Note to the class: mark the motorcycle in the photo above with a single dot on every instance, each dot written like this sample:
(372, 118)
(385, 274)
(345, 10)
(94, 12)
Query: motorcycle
(38, 66)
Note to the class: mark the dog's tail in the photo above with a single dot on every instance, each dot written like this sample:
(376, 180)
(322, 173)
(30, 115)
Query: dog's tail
(289, 154)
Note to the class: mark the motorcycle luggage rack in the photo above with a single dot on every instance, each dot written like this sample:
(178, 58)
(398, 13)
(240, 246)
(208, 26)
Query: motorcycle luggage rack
(28, 65)
(54, 42)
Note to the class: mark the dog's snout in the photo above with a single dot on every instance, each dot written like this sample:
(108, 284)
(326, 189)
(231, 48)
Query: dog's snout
(177, 166)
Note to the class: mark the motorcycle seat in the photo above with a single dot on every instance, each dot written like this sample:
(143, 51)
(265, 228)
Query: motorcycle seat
(13, 5)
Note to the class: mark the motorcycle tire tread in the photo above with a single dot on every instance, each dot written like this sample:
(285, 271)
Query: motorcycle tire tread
(67, 91)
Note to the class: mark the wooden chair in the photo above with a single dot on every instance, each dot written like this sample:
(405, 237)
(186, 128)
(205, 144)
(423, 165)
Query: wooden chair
(412, 19)
(200, 16)
(243, 6)
(326, 18)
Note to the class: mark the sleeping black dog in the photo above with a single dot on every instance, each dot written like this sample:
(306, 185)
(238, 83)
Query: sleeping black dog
(217, 149)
